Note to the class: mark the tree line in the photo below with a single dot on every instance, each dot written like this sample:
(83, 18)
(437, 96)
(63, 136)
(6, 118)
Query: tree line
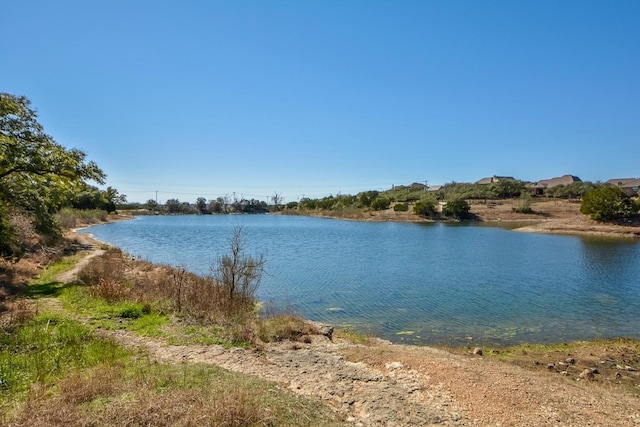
(600, 201)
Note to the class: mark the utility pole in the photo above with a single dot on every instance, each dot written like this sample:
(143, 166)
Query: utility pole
(426, 185)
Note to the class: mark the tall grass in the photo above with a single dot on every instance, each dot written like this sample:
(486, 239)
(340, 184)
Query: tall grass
(72, 218)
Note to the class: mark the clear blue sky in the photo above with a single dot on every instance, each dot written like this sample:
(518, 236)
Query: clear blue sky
(207, 98)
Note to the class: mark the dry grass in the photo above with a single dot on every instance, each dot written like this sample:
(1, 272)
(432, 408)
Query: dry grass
(286, 327)
(165, 395)
(116, 277)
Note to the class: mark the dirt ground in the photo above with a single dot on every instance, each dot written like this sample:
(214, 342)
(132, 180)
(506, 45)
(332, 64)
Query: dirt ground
(549, 216)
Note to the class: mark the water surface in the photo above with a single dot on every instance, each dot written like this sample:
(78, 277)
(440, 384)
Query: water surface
(417, 283)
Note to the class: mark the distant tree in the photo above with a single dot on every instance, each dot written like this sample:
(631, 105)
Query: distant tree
(608, 203)
(367, 197)
(506, 188)
(151, 204)
(401, 207)
(172, 206)
(217, 205)
(277, 200)
(380, 204)
(291, 205)
(458, 208)
(525, 203)
(201, 205)
(425, 207)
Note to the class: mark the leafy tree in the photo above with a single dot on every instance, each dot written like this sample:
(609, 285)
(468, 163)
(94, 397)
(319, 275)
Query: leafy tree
(217, 205)
(367, 197)
(426, 207)
(608, 203)
(525, 203)
(380, 204)
(173, 206)
(506, 188)
(37, 175)
(201, 205)
(458, 208)
(152, 204)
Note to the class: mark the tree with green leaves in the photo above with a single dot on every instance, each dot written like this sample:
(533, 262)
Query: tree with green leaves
(425, 207)
(380, 204)
(38, 176)
(201, 205)
(608, 203)
(458, 209)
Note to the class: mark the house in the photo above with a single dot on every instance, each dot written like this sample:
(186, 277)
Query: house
(494, 178)
(628, 185)
(434, 188)
(545, 184)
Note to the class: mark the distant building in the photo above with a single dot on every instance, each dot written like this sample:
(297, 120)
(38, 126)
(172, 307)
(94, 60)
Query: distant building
(494, 178)
(541, 186)
(628, 185)
(434, 188)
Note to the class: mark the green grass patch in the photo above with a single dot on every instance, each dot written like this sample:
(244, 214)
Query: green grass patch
(43, 349)
(45, 284)
(149, 325)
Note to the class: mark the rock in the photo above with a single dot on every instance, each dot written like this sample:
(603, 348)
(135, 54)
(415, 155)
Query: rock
(323, 329)
(551, 366)
(477, 351)
(570, 361)
(629, 368)
(587, 374)
(393, 366)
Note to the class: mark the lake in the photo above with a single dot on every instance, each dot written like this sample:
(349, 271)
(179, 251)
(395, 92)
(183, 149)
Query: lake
(410, 283)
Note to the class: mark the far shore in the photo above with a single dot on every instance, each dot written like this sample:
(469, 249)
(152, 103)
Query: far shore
(548, 217)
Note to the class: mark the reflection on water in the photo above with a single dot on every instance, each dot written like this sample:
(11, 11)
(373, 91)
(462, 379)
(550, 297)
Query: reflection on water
(418, 283)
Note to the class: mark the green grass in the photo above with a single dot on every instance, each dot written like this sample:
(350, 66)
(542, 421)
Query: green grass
(54, 371)
(45, 284)
(43, 349)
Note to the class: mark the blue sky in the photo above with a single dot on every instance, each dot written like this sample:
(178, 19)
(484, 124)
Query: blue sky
(311, 98)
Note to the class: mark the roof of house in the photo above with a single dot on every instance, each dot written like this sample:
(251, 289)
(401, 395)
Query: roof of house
(494, 178)
(560, 180)
(624, 182)
(434, 188)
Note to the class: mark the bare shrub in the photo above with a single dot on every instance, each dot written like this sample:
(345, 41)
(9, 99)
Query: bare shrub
(110, 266)
(110, 290)
(239, 274)
(24, 233)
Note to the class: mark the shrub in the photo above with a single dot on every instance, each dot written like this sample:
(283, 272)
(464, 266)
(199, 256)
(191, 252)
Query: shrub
(401, 207)
(458, 208)
(608, 203)
(380, 204)
(426, 207)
